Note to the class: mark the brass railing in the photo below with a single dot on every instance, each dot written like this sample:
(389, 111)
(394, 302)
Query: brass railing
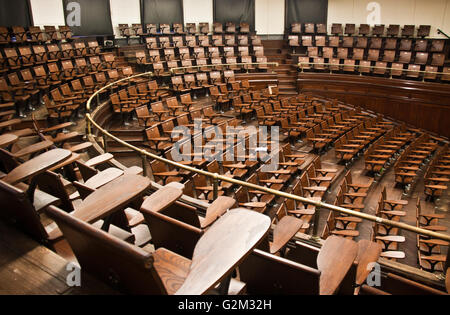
(217, 177)
(302, 64)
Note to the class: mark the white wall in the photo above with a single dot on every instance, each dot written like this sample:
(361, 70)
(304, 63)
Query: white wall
(47, 12)
(124, 12)
(269, 17)
(196, 11)
(416, 12)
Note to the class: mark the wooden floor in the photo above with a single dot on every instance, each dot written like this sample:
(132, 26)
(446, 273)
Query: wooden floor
(27, 267)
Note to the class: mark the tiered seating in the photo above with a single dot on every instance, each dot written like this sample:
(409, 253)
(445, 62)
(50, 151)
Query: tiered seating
(352, 196)
(389, 236)
(431, 252)
(437, 175)
(407, 166)
(379, 155)
(166, 52)
(409, 56)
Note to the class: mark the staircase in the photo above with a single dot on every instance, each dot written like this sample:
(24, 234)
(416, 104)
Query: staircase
(277, 51)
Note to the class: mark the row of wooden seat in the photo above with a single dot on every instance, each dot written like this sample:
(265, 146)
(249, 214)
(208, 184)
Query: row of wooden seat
(169, 54)
(352, 196)
(38, 54)
(392, 30)
(430, 252)
(437, 176)
(407, 166)
(193, 41)
(177, 28)
(421, 58)
(379, 68)
(379, 155)
(34, 34)
(417, 45)
(388, 236)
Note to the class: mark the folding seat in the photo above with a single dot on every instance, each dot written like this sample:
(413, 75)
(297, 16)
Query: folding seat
(348, 41)
(389, 55)
(230, 27)
(390, 43)
(296, 28)
(342, 53)
(405, 44)
(230, 40)
(373, 55)
(80, 48)
(414, 71)
(328, 52)
(378, 30)
(293, 42)
(336, 29)
(408, 30)
(358, 54)
(204, 27)
(375, 43)
(321, 28)
(437, 59)
(191, 28)
(364, 29)
(65, 32)
(242, 40)
(421, 58)
(164, 28)
(404, 57)
(421, 45)
(309, 28)
(13, 59)
(393, 30)
(151, 28)
(437, 45)
(36, 34)
(307, 41)
(361, 42)
(320, 41)
(397, 69)
(350, 29)
(244, 28)
(333, 41)
(51, 32)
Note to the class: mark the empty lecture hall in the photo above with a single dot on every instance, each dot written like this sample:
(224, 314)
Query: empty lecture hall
(224, 147)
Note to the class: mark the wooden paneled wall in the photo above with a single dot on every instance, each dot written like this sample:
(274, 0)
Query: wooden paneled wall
(422, 104)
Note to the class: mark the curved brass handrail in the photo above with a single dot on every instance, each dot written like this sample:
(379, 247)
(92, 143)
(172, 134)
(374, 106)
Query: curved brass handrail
(216, 177)
(301, 66)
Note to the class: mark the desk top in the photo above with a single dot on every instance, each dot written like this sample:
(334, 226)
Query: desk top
(103, 177)
(36, 165)
(368, 252)
(7, 139)
(111, 197)
(286, 228)
(334, 260)
(34, 148)
(223, 246)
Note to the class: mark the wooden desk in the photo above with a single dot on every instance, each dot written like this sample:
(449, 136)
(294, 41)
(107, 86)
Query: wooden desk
(7, 139)
(111, 197)
(9, 123)
(34, 148)
(368, 252)
(223, 246)
(104, 177)
(286, 228)
(334, 260)
(108, 199)
(36, 166)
